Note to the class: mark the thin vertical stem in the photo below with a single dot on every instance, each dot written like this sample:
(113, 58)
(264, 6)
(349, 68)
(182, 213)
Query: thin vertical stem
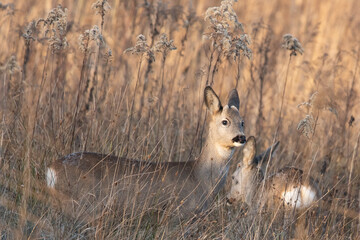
(215, 68)
(282, 100)
(350, 177)
(237, 74)
(279, 120)
(82, 73)
(132, 105)
(209, 68)
(161, 92)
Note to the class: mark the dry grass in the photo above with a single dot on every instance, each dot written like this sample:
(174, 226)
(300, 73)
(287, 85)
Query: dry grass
(59, 97)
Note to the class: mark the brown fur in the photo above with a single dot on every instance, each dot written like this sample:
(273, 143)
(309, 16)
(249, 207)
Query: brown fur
(249, 185)
(91, 182)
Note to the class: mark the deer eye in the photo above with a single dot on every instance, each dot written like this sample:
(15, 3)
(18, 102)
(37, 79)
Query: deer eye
(225, 122)
(242, 123)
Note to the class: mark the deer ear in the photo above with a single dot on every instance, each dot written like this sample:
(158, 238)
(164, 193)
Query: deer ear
(266, 155)
(212, 101)
(233, 99)
(249, 151)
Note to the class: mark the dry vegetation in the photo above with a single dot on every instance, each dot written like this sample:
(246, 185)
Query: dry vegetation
(127, 77)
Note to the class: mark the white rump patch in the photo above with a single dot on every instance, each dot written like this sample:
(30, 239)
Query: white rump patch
(299, 197)
(50, 177)
(292, 198)
(308, 196)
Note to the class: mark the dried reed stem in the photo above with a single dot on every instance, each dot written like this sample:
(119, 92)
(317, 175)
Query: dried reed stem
(29, 139)
(209, 68)
(282, 100)
(132, 104)
(278, 124)
(238, 68)
(351, 91)
(77, 104)
(350, 183)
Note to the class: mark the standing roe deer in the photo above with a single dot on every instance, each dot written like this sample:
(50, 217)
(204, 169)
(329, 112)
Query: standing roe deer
(288, 186)
(92, 180)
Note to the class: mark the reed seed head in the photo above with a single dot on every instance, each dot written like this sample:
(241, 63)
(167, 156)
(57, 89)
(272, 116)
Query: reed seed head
(11, 66)
(320, 101)
(57, 44)
(3, 6)
(9, 7)
(223, 16)
(95, 35)
(56, 19)
(291, 43)
(240, 46)
(141, 48)
(164, 45)
(101, 7)
(108, 56)
(309, 103)
(226, 32)
(56, 25)
(306, 126)
(90, 35)
(29, 31)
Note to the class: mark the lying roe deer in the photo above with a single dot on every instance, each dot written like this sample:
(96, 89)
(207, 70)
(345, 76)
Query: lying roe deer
(289, 189)
(289, 186)
(186, 188)
(286, 190)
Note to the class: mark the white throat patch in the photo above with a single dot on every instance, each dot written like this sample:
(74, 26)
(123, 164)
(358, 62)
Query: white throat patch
(224, 151)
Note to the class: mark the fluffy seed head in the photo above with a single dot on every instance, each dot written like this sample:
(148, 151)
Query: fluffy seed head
(289, 42)
(29, 31)
(90, 35)
(164, 45)
(306, 126)
(226, 32)
(101, 7)
(11, 66)
(56, 26)
(141, 48)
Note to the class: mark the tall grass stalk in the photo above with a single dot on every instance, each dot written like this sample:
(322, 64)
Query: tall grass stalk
(78, 95)
(131, 112)
(282, 101)
(350, 94)
(102, 7)
(349, 184)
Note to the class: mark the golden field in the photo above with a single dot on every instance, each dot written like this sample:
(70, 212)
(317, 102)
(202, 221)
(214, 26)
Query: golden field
(76, 78)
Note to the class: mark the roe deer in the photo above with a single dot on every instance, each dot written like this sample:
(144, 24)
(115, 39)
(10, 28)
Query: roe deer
(286, 190)
(288, 186)
(186, 188)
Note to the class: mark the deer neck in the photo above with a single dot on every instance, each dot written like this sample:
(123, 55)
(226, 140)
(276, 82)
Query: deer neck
(213, 164)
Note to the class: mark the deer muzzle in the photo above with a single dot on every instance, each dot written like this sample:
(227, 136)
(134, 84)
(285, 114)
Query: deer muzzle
(239, 139)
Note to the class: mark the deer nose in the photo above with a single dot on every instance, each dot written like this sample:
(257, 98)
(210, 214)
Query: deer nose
(242, 139)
